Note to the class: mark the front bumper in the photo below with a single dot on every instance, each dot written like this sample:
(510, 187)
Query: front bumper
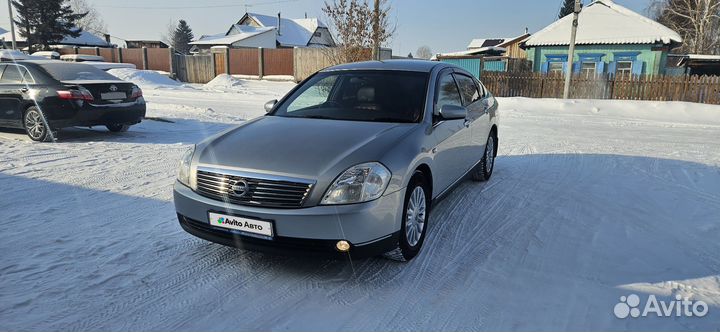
(371, 228)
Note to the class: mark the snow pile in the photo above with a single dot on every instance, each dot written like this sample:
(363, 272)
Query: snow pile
(146, 79)
(668, 113)
(224, 82)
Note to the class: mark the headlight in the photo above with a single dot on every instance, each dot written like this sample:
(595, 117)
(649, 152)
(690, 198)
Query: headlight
(184, 172)
(361, 183)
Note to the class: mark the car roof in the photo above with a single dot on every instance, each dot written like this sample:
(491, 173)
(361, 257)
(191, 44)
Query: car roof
(402, 65)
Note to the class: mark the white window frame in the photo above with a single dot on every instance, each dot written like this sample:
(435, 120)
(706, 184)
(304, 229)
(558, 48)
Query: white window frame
(624, 72)
(552, 70)
(586, 72)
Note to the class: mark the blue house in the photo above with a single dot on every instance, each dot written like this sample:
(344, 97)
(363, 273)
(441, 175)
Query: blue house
(611, 39)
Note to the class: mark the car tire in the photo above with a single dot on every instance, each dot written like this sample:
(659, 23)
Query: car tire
(415, 217)
(485, 168)
(35, 126)
(117, 128)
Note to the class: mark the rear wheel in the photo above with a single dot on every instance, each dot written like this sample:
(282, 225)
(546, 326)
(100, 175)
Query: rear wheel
(117, 128)
(487, 164)
(414, 220)
(35, 125)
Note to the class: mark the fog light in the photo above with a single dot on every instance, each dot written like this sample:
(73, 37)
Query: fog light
(343, 246)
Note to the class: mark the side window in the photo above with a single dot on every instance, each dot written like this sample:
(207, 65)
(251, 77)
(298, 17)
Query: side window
(15, 75)
(468, 89)
(316, 95)
(447, 93)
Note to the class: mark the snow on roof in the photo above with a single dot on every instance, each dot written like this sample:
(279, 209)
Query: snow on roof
(85, 39)
(293, 32)
(243, 32)
(703, 57)
(605, 22)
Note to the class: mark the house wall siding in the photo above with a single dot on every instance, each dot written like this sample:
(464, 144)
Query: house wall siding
(651, 57)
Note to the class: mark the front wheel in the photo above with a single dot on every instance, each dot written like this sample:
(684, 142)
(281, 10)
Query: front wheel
(414, 220)
(118, 128)
(487, 164)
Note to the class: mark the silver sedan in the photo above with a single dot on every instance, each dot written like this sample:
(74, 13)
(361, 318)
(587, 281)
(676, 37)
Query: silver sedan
(348, 163)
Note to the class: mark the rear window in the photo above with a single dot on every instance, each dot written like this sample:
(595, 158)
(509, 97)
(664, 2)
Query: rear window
(64, 71)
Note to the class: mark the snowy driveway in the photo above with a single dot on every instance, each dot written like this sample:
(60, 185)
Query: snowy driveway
(590, 201)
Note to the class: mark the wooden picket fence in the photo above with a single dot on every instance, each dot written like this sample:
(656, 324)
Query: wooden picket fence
(698, 89)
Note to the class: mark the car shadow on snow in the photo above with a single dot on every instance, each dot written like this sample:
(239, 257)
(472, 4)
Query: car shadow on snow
(572, 232)
(157, 131)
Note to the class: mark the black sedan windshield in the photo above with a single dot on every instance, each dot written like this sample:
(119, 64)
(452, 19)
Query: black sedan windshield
(68, 71)
(380, 96)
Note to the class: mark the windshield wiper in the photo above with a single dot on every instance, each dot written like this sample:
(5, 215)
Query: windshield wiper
(322, 117)
(389, 120)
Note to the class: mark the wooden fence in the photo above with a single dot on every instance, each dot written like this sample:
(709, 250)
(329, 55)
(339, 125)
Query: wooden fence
(297, 63)
(699, 89)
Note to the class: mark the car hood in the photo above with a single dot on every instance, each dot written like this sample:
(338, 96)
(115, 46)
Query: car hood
(313, 149)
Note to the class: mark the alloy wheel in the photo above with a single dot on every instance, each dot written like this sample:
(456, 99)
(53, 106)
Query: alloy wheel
(415, 216)
(34, 125)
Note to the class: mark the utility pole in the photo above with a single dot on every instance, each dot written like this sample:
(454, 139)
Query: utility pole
(12, 25)
(376, 31)
(571, 52)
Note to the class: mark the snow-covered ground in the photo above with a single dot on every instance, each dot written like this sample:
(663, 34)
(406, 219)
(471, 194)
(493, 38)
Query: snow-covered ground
(590, 201)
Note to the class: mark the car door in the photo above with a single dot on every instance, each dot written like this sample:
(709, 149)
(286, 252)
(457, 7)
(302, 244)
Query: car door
(474, 100)
(14, 82)
(450, 137)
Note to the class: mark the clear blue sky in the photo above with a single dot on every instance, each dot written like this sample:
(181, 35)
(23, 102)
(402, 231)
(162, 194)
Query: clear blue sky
(447, 25)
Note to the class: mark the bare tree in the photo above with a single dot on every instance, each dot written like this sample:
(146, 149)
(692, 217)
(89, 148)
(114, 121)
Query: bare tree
(169, 32)
(424, 52)
(697, 21)
(93, 21)
(356, 30)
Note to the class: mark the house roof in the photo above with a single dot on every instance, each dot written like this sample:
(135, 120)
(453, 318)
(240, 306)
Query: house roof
(497, 42)
(606, 22)
(293, 32)
(474, 51)
(85, 39)
(485, 42)
(244, 32)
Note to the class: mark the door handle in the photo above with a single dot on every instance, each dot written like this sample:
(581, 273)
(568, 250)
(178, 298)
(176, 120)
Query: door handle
(24, 90)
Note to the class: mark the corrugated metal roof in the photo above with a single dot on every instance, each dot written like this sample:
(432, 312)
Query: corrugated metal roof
(606, 22)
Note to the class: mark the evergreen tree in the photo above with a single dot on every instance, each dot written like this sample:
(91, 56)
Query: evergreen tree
(182, 37)
(410, 56)
(567, 8)
(46, 22)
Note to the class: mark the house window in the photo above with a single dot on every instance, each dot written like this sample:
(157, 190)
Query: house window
(624, 68)
(555, 67)
(588, 69)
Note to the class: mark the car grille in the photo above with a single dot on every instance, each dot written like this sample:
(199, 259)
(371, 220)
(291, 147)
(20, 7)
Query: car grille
(259, 192)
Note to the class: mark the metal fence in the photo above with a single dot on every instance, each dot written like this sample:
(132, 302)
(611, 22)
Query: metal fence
(297, 63)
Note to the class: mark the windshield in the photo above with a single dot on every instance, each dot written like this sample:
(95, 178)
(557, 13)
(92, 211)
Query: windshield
(67, 71)
(380, 96)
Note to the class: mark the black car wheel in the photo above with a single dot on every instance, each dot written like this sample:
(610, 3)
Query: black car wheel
(487, 164)
(416, 214)
(35, 126)
(118, 128)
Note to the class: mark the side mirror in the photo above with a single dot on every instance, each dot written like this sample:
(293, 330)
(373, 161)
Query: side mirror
(453, 112)
(269, 105)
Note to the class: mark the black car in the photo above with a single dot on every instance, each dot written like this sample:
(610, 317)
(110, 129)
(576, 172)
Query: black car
(37, 95)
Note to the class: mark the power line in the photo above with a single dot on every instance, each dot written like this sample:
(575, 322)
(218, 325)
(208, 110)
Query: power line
(197, 7)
